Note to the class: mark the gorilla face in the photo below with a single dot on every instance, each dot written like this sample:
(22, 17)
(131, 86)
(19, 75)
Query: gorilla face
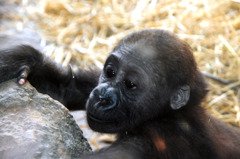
(124, 85)
(143, 78)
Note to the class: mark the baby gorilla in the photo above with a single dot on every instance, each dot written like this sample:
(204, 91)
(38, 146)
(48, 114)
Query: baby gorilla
(149, 93)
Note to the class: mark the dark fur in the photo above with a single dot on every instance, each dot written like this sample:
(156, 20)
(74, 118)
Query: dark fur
(146, 125)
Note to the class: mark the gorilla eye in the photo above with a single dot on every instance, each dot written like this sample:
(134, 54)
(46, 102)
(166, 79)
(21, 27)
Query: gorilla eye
(130, 84)
(110, 72)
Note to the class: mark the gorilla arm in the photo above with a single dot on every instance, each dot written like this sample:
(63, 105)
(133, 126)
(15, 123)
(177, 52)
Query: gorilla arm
(61, 83)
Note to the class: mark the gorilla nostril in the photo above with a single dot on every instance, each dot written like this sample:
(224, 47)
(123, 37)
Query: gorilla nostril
(105, 101)
(106, 97)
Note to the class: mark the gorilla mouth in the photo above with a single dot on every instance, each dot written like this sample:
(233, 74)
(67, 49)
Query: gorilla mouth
(96, 119)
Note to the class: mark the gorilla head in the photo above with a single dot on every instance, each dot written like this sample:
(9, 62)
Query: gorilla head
(148, 75)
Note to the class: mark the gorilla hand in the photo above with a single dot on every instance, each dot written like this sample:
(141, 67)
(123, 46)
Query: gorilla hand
(61, 83)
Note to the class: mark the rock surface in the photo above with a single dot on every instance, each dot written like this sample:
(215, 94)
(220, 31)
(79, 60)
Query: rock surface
(33, 125)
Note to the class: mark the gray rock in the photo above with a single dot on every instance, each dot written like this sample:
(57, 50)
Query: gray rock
(33, 125)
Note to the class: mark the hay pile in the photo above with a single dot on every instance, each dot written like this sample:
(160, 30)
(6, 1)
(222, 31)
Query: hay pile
(86, 31)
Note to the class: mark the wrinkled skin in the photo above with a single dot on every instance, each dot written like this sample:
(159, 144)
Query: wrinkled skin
(149, 93)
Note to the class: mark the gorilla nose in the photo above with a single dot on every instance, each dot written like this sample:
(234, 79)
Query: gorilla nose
(107, 96)
(105, 101)
(108, 101)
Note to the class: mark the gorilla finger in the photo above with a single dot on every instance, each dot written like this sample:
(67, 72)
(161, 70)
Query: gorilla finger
(23, 76)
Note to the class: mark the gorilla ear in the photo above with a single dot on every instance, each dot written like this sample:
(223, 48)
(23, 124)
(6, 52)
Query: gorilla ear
(180, 97)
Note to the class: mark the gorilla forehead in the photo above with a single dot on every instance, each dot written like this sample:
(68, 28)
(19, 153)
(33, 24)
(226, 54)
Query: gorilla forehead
(149, 46)
(160, 49)
(154, 44)
(139, 59)
(136, 53)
